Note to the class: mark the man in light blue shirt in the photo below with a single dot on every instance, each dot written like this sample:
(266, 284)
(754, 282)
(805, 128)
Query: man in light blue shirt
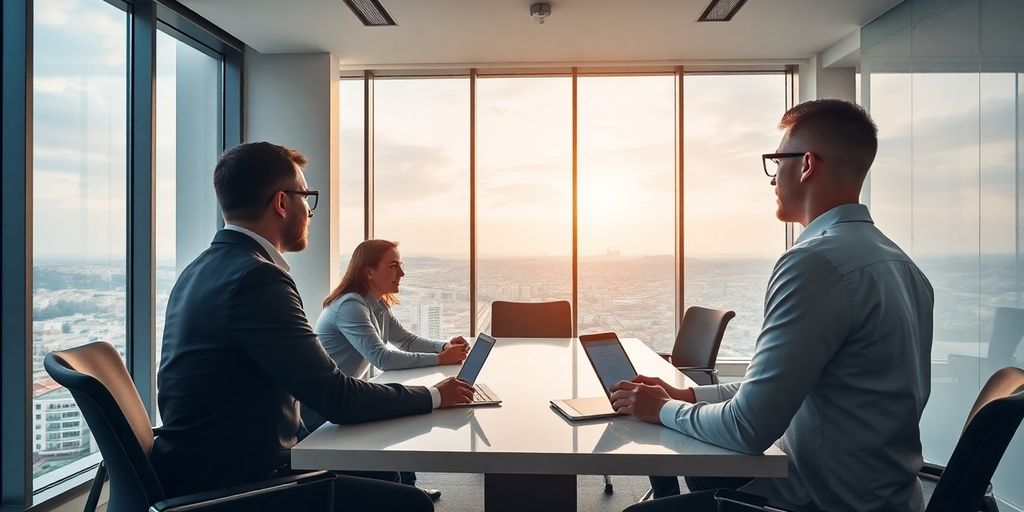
(840, 372)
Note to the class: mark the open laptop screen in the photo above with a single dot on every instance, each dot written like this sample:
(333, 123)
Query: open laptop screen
(475, 361)
(609, 359)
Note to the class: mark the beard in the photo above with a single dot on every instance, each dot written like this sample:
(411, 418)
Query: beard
(296, 235)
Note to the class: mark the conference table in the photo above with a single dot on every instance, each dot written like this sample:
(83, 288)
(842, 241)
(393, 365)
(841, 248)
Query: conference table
(529, 454)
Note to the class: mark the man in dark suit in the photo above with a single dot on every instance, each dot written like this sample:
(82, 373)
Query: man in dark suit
(239, 354)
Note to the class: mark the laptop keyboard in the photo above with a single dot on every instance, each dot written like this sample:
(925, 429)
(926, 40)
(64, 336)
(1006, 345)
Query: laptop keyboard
(480, 395)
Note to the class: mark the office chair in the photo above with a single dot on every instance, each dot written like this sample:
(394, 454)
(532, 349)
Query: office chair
(696, 348)
(535, 320)
(964, 483)
(531, 319)
(107, 398)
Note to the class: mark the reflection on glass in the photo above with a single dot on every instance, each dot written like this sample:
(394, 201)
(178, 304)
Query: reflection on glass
(524, 191)
(421, 198)
(731, 236)
(78, 239)
(350, 149)
(947, 187)
(187, 146)
(626, 130)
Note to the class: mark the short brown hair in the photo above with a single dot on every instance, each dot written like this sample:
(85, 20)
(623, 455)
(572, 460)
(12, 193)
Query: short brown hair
(247, 175)
(842, 125)
(367, 254)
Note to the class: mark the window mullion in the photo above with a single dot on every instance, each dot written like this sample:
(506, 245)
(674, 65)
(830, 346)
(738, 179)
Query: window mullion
(15, 415)
(141, 265)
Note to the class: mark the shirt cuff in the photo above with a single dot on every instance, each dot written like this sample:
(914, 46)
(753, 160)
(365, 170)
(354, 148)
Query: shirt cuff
(435, 397)
(710, 394)
(668, 413)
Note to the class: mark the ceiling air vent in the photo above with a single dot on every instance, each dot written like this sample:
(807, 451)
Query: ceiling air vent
(371, 13)
(721, 10)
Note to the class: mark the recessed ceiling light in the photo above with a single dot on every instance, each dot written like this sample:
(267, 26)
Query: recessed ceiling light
(370, 12)
(721, 10)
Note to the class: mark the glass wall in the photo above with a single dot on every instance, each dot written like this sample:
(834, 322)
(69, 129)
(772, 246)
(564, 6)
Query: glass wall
(731, 235)
(626, 184)
(627, 149)
(524, 191)
(188, 141)
(943, 81)
(421, 198)
(79, 203)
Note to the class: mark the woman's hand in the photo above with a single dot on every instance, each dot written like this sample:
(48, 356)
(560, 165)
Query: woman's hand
(453, 354)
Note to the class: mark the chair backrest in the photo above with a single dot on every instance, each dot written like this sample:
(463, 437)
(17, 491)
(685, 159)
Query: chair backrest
(107, 398)
(531, 319)
(991, 425)
(700, 336)
(1007, 334)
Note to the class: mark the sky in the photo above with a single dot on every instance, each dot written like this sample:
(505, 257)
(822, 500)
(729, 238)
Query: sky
(936, 187)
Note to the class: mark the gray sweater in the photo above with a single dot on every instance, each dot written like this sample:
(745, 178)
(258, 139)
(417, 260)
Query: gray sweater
(356, 330)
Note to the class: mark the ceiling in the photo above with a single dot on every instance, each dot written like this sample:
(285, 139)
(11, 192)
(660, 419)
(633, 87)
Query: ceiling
(474, 32)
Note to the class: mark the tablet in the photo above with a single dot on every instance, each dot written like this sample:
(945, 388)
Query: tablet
(611, 364)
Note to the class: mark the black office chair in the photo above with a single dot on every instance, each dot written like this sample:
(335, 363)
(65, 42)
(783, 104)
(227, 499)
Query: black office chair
(695, 351)
(535, 320)
(964, 484)
(107, 398)
(531, 319)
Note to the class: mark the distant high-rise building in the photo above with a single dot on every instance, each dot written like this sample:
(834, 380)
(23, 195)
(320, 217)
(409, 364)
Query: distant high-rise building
(58, 427)
(430, 321)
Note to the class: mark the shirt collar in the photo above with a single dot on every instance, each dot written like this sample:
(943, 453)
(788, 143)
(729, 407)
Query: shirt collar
(852, 212)
(267, 246)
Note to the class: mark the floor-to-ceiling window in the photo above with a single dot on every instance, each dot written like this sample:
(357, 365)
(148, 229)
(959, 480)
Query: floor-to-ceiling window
(946, 92)
(524, 191)
(98, 207)
(79, 202)
(421, 198)
(626, 187)
(731, 236)
(627, 181)
(188, 142)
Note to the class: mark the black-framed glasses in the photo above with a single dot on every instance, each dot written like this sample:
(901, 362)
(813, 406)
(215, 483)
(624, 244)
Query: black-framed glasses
(308, 194)
(774, 159)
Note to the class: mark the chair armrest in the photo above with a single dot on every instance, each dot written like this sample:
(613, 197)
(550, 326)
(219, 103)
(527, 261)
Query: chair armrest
(730, 501)
(931, 471)
(702, 376)
(304, 491)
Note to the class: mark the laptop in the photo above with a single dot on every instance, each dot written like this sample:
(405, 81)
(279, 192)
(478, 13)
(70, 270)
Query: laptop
(471, 369)
(611, 364)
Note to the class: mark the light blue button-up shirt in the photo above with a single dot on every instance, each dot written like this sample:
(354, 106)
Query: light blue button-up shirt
(839, 376)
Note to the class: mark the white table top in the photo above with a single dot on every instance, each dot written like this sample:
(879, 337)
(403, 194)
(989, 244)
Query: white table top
(523, 434)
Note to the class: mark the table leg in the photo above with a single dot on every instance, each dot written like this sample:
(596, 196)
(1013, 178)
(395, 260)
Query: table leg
(536, 493)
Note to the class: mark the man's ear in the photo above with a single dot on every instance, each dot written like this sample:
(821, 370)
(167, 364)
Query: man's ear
(279, 204)
(810, 164)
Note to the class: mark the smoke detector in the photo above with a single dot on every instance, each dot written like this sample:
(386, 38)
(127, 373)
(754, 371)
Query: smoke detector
(539, 11)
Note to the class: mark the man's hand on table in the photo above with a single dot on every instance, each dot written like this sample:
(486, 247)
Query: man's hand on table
(644, 397)
(683, 394)
(640, 400)
(454, 392)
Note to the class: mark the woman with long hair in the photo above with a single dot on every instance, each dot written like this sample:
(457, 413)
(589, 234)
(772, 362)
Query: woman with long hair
(357, 326)
(357, 329)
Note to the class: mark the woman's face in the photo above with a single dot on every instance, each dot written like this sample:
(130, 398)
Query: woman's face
(386, 276)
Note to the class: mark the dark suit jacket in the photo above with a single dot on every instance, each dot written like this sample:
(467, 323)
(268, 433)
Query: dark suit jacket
(237, 354)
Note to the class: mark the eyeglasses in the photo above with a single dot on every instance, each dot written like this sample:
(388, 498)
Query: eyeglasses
(311, 203)
(774, 158)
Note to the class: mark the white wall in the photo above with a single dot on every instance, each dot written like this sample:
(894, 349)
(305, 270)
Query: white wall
(292, 100)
